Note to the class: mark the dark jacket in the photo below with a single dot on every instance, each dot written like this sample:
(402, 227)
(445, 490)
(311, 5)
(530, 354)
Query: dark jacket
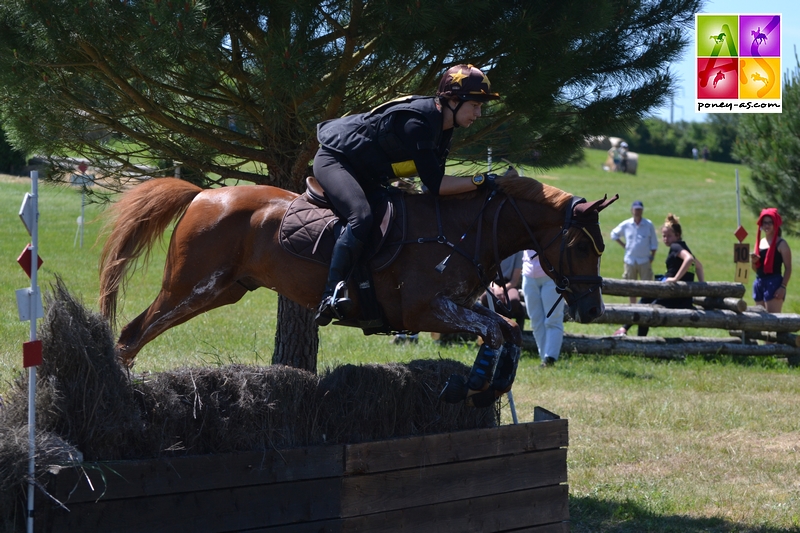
(400, 138)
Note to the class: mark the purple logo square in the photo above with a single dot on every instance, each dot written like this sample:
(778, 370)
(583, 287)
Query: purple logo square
(760, 35)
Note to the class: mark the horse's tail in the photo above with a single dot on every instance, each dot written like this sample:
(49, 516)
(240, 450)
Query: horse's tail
(136, 221)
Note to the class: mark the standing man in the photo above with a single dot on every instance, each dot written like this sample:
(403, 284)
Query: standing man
(640, 243)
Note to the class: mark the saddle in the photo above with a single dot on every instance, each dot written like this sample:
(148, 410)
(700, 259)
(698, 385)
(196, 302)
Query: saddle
(309, 227)
(309, 230)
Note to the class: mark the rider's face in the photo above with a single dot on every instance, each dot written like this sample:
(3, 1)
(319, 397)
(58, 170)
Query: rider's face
(469, 112)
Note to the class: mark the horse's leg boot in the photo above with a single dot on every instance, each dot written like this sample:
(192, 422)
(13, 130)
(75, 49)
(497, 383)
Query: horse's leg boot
(506, 370)
(482, 369)
(335, 302)
(455, 390)
(482, 399)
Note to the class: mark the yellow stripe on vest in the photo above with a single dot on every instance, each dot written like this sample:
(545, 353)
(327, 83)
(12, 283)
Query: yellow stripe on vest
(404, 169)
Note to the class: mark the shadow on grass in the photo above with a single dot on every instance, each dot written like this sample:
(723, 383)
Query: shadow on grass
(592, 515)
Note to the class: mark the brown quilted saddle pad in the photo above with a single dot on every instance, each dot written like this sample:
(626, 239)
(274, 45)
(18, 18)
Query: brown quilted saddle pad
(309, 231)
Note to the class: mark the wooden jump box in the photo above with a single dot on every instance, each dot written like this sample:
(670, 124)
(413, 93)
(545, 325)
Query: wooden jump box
(510, 478)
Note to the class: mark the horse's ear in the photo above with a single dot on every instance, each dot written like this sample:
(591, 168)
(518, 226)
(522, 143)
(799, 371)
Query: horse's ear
(605, 203)
(511, 172)
(597, 206)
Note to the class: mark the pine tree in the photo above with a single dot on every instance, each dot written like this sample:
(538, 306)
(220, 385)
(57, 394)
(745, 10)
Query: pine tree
(234, 89)
(770, 145)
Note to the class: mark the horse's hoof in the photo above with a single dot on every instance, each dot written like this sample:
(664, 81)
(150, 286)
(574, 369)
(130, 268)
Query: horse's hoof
(482, 399)
(455, 390)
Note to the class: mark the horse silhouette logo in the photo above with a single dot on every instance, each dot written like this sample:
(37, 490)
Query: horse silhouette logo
(758, 37)
(718, 77)
(719, 39)
(759, 77)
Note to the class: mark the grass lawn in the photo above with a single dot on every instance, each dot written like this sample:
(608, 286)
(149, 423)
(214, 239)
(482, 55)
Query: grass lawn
(709, 444)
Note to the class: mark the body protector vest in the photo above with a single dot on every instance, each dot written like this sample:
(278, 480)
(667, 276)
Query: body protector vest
(370, 143)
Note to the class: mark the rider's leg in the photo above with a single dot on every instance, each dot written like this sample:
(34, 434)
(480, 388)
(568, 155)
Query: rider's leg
(337, 178)
(346, 252)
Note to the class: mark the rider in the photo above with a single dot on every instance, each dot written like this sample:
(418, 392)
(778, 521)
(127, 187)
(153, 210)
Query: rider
(406, 137)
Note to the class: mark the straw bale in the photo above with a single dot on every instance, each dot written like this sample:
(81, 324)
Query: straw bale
(91, 408)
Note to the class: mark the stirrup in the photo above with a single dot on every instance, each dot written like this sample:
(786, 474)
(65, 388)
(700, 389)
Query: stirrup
(334, 306)
(342, 305)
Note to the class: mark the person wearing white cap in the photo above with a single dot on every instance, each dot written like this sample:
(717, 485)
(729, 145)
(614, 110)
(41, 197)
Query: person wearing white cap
(638, 236)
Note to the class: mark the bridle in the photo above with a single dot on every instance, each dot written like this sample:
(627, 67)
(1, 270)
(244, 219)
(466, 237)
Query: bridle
(563, 282)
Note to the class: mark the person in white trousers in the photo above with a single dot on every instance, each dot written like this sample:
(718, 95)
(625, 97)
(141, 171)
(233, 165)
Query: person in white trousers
(540, 297)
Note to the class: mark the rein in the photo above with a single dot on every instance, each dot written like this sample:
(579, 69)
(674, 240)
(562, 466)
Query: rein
(441, 238)
(563, 282)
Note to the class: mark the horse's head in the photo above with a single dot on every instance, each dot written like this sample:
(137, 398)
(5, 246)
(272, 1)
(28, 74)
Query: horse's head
(577, 270)
(569, 246)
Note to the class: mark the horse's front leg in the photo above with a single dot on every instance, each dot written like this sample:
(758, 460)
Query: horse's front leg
(506, 369)
(496, 362)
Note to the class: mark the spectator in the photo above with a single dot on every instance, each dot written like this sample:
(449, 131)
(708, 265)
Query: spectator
(511, 269)
(695, 152)
(769, 287)
(540, 298)
(681, 266)
(640, 243)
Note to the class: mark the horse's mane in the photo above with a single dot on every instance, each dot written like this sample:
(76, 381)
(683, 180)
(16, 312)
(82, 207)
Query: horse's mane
(533, 190)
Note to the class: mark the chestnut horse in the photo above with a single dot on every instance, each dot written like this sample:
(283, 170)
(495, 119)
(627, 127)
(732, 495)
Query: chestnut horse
(226, 242)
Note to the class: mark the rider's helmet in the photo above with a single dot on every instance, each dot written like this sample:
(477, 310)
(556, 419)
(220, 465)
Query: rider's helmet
(466, 82)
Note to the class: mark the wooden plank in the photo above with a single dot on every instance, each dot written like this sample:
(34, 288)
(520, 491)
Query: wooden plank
(327, 526)
(487, 514)
(680, 289)
(221, 510)
(558, 527)
(127, 479)
(671, 348)
(386, 491)
(789, 339)
(443, 448)
(650, 315)
(715, 302)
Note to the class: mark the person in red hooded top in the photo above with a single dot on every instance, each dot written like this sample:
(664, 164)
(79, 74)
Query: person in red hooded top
(772, 256)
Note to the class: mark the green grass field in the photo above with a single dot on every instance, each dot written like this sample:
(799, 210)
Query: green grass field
(709, 444)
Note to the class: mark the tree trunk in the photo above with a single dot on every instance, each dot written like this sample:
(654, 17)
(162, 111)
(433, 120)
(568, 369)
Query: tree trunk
(679, 289)
(296, 336)
(657, 316)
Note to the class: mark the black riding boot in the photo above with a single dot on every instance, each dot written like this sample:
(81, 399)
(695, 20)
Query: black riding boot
(335, 303)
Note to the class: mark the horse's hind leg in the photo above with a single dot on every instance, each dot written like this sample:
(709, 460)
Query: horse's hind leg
(171, 308)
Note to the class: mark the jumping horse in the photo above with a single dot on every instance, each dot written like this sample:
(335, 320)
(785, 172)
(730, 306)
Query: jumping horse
(226, 242)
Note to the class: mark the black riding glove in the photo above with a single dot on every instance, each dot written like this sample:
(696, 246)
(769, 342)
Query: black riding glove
(485, 179)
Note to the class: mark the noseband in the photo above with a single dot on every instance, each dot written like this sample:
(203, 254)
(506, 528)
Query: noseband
(563, 282)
